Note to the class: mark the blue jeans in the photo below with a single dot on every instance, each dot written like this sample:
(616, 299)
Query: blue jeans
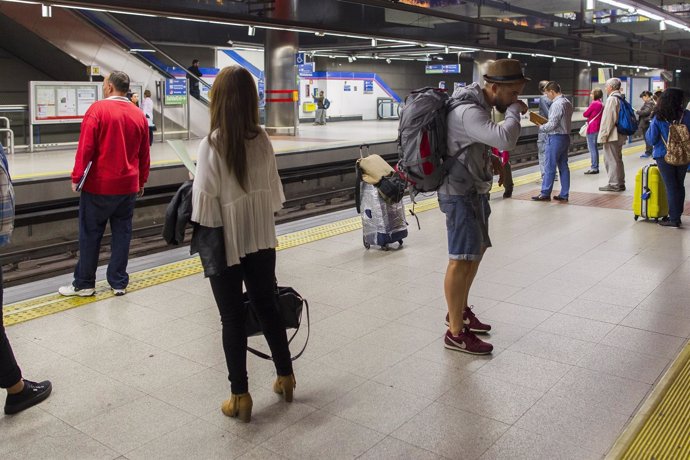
(94, 213)
(541, 149)
(593, 150)
(674, 180)
(556, 156)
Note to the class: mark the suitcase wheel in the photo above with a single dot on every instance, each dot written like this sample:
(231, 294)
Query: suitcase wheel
(636, 217)
(400, 242)
(366, 245)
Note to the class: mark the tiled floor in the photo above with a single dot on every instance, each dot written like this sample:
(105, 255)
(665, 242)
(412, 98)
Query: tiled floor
(588, 308)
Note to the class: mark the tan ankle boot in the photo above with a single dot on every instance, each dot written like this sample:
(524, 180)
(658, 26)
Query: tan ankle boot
(239, 406)
(285, 385)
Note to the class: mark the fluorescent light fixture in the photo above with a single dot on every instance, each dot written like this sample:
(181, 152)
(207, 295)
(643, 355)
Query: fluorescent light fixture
(662, 25)
(615, 67)
(319, 34)
(554, 59)
(447, 50)
(46, 11)
(589, 64)
(590, 5)
(374, 42)
(349, 59)
(354, 58)
(677, 70)
(510, 55)
(388, 61)
(141, 50)
(251, 31)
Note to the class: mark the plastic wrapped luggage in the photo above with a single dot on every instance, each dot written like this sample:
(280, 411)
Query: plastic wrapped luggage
(382, 223)
(649, 200)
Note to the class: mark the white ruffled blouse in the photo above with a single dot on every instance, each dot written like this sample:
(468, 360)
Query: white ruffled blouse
(218, 200)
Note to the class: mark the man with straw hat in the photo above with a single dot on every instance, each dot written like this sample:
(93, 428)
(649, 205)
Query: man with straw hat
(464, 194)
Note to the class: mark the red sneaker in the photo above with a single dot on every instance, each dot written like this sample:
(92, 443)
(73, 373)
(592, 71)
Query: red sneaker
(469, 319)
(467, 342)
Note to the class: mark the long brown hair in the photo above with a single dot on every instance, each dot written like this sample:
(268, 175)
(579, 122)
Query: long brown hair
(234, 118)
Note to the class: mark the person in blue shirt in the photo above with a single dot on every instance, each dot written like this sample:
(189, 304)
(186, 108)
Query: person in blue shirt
(21, 393)
(669, 109)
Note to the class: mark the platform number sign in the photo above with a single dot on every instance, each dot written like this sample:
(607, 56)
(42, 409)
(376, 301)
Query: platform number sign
(299, 58)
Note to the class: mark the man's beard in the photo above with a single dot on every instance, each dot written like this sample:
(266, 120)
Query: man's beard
(501, 108)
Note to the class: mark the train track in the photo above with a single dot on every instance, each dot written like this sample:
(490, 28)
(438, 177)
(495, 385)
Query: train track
(310, 191)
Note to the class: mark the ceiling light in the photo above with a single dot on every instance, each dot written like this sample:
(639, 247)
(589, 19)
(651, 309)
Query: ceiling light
(374, 42)
(230, 42)
(446, 50)
(251, 30)
(590, 5)
(589, 64)
(46, 11)
(554, 59)
(615, 67)
(510, 55)
(319, 34)
(349, 59)
(662, 25)
(354, 58)
(141, 50)
(677, 70)
(388, 60)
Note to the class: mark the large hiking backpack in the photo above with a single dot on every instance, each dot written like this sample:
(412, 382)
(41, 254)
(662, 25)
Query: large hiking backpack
(627, 121)
(422, 138)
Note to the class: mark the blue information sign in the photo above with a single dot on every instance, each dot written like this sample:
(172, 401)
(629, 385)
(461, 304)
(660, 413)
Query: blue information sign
(306, 70)
(368, 86)
(299, 58)
(442, 68)
(175, 91)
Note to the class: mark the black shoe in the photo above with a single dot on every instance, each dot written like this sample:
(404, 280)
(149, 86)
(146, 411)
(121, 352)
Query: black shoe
(669, 223)
(541, 197)
(592, 171)
(560, 198)
(507, 193)
(32, 394)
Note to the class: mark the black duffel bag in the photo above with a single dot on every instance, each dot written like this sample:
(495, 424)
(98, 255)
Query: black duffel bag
(289, 305)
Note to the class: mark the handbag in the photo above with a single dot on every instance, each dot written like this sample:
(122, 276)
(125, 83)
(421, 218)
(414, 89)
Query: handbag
(289, 306)
(583, 128)
(677, 145)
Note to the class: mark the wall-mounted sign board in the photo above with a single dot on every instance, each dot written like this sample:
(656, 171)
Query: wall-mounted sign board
(442, 68)
(54, 102)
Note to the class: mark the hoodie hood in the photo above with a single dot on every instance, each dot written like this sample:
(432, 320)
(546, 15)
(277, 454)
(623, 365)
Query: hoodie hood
(471, 93)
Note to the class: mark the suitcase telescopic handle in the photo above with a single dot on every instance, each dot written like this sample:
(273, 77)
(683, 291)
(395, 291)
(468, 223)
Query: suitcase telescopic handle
(361, 150)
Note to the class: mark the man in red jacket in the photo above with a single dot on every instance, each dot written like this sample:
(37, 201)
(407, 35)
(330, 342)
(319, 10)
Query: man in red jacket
(113, 154)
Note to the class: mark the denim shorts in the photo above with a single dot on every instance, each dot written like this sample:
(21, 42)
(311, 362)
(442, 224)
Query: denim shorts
(467, 223)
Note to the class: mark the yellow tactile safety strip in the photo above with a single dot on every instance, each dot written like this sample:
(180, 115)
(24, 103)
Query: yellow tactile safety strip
(65, 174)
(661, 428)
(53, 303)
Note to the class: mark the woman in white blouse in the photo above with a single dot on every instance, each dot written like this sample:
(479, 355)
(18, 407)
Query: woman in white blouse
(237, 187)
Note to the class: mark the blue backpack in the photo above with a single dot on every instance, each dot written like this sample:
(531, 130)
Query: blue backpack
(627, 121)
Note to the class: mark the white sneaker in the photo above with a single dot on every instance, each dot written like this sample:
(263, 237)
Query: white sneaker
(71, 291)
(119, 292)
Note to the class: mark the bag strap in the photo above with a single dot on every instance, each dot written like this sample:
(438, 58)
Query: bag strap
(270, 358)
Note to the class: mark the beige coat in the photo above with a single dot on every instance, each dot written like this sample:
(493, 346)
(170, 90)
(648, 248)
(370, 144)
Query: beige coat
(609, 119)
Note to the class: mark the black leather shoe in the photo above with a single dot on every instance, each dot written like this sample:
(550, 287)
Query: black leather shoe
(592, 171)
(541, 198)
(507, 194)
(560, 198)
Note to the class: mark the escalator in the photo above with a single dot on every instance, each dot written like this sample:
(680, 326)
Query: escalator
(98, 39)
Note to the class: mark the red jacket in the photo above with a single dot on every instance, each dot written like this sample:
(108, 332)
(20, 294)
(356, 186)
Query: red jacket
(593, 115)
(115, 137)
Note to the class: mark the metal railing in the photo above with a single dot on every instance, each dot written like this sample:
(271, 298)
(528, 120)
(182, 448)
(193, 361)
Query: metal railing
(10, 134)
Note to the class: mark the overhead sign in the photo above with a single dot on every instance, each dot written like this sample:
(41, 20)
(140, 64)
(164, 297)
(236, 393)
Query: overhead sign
(306, 70)
(175, 91)
(442, 68)
(299, 58)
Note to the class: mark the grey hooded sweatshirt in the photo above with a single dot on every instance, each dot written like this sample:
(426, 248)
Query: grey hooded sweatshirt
(472, 132)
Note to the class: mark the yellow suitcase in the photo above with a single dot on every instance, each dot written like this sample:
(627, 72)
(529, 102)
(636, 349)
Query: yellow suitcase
(649, 200)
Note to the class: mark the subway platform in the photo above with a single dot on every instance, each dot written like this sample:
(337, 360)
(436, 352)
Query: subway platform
(589, 310)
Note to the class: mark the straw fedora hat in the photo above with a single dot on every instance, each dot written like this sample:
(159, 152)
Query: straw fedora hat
(505, 71)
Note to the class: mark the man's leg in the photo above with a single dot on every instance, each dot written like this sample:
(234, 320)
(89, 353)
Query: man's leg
(457, 287)
(93, 216)
(563, 168)
(121, 228)
(541, 149)
(620, 168)
(508, 184)
(608, 160)
(549, 167)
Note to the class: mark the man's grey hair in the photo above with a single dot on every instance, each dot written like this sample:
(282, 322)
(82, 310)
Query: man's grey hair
(614, 83)
(120, 81)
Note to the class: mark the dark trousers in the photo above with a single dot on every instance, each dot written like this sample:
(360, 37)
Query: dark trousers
(257, 270)
(508, 184)
(94, 213)
(674, 180)
(10, 374)
(150, 135)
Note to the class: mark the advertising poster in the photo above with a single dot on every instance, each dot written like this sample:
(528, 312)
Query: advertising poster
(85, 97)
(66, 102)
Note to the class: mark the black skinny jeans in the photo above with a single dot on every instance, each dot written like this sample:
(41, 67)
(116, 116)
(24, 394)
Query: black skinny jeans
(257, 270)
(10, 374)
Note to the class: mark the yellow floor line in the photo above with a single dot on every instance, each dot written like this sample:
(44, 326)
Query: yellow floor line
(661, 428)
(53, 303)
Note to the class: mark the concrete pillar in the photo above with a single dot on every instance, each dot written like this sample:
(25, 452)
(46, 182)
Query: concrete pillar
(280, 72)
